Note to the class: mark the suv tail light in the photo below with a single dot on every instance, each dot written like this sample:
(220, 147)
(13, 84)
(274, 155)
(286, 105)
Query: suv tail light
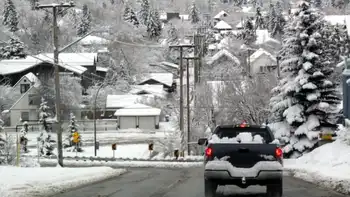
(279, 152)
(208, 152)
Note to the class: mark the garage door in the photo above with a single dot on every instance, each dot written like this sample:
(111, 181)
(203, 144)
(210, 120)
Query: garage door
(127, 122)
(147, 122)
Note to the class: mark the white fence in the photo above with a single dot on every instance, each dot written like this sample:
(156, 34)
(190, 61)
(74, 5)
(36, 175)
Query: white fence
(83, 125)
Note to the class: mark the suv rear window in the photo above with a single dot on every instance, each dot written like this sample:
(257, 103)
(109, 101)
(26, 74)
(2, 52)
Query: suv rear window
(233, 132)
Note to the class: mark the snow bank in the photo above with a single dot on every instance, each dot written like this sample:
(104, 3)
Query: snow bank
(328, 166)
(244, 137)
(125, 164)
(23, 182)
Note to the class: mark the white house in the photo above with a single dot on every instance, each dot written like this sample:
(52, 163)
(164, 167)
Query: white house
(138, 116)
(262, 61)
(222, 26)
(26, 107)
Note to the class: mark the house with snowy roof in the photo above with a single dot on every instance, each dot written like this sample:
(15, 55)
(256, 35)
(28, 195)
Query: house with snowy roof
(222, 26)
(261, 61)
(221, 56)
(138, 116)
(82, 65)
(155, 90)
(221, 15)
(165, 79)
(26, 107)
(93, 43)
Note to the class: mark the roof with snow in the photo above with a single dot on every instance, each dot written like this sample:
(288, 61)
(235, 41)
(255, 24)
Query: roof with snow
(121, 101)
(88, 40)
(221, 53)
(101, 69)
(163, 78)
(34, 80)
(156, 90)
(138, 110)
(222, 25)
(259, 53)
(73, 62)
(221, 14)
(171, 65)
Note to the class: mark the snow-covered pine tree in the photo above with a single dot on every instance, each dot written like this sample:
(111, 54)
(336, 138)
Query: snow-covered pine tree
(72, 128)
(85, 22)
(130, 16)
(46, 145)
(154, 26)
(270, 18)
(248, 34)
(194, 13)
(23, 136)
(33, 3)
(144, 12)
(306, 98)
(259, 21)
(10, 16)
(173, 35)
(278, 22)
(13, 49)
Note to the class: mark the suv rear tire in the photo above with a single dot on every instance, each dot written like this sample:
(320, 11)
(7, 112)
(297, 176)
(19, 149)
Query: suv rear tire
(275, 190)
(210, 188)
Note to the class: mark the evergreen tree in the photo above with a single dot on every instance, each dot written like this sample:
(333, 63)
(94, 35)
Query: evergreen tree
(154, 26)
(85, 22)
(173, 35)
(278, 22)
(248, 34)
(33, 3)
(130, 16)
(46, 145)
(72, 128)
(144, 12)
(306, 98)
(10, 16)
(259, 21)
(194, 13)
(271, 18)
(23, 136)
(14, 49)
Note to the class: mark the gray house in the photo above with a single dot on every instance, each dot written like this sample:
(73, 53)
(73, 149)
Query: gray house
(138, 116)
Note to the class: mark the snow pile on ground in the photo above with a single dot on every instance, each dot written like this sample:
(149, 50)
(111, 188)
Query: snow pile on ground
(23, 182)
(244, 137)
(328, 166)
(124, 164)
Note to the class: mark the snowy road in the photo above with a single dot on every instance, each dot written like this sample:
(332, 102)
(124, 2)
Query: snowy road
(184, 183)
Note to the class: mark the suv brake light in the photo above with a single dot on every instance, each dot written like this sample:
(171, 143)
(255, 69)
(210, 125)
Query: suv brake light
(208, 152)
(278, 152)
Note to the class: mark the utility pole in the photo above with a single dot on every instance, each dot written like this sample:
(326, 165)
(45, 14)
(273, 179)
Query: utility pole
(188, 101)
(54, 7)
(181, 122)
(198, 52)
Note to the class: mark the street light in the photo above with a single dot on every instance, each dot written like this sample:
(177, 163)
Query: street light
(95, 136)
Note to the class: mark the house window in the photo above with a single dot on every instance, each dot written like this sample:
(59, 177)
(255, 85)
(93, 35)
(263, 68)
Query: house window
(34, 99)
(24, 116)
(24, 88)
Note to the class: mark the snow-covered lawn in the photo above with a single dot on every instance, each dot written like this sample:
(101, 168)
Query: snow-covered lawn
(124, 151)
(27, 182)
(328, 166)
(104, 137)
(124, 164)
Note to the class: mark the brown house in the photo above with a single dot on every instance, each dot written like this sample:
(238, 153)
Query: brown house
(81, 65)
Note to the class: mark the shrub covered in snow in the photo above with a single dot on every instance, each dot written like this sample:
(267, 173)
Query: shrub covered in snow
(306, 98)
(72, 128)
(46, 145)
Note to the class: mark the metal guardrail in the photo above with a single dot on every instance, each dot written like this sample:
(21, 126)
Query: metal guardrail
(109, 159)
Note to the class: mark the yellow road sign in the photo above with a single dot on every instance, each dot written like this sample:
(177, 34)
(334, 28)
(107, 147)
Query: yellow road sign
(76, 137)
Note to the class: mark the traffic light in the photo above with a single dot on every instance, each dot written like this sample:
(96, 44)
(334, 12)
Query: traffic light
(150, 146)
(114, 146)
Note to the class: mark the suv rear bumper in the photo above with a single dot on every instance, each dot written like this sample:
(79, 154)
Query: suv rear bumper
(265, 177)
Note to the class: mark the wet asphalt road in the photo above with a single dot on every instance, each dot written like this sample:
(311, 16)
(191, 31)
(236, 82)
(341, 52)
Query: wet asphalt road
(151, 182)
